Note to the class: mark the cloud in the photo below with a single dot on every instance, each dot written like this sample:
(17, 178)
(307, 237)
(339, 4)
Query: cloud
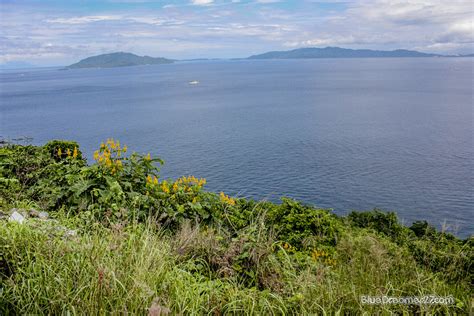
(436, 26)
(202, 2)
(460, 32)
(52, 34)
(84, 19)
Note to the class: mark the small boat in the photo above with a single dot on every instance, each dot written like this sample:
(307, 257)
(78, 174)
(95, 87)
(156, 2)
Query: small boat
(194, 82)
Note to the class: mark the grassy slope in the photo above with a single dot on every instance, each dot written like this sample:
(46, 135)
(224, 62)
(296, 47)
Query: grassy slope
(208, 254)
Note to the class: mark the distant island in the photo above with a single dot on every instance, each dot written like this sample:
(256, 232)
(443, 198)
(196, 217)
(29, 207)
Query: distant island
(119, 59)
(338, 52)
(123, 59)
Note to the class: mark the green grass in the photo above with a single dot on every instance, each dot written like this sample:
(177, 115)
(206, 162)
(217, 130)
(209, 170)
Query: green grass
(144, 250)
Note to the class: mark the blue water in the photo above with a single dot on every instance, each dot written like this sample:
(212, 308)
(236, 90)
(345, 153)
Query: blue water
(347, 134)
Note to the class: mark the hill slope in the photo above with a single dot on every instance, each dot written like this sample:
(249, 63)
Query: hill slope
(337, 52)
(119, 59)
(113, 236)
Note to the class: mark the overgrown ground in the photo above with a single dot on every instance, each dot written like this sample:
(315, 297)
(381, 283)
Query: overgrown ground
(150, 246)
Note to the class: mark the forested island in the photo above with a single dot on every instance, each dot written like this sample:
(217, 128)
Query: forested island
(338, 52)
(119, 59)
(111, 236)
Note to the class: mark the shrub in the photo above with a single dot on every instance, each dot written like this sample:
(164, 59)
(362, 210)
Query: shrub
(382, 222)
(61, 149)
(299, 225)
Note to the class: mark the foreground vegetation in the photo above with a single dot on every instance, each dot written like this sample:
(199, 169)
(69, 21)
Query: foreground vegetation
(121, 240)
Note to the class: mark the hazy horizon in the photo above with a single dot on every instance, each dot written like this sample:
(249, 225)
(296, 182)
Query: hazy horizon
(21, 64)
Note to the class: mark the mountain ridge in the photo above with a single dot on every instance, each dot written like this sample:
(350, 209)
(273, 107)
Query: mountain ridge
(338, 52)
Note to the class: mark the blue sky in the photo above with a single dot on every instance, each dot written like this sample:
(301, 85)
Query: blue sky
(53, 32)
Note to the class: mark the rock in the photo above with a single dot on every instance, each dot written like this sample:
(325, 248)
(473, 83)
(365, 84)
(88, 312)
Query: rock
(43, 215)
(38, 214)
(70, 233)
(16, 217)
(20, 211)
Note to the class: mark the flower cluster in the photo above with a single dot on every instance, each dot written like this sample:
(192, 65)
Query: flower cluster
(226, 199)
(110, 155)
(152, 180)
(324, 256)
(191, 181)
(74, 153)
(185, 184)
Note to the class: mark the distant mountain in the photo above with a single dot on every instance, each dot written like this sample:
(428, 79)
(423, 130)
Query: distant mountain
(337, 52)
(118, 60)
(16, 65)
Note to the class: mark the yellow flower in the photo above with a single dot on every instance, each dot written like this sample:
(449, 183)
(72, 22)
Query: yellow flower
(155, 180)
(148, 157)
(119, 163)
(74, 153)
(125, 148)
(149, 179)
(226, 199)
(60, 153)
(68, 152)
(175, 187)
(96, 155)
(164, 187)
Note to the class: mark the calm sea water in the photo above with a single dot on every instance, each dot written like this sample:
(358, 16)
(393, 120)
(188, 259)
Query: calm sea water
(350, 134)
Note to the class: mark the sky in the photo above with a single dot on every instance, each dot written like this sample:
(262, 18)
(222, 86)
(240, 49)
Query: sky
(60, 32)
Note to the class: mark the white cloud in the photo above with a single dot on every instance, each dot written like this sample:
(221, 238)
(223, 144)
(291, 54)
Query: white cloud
(224, 30)
(428, 25)
(85, 19)
(202, 2)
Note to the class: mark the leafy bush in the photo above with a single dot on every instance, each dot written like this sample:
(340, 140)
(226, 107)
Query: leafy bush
(61, 149)
(382, 222)
(438, 251)
(302, 226)
(423, 229)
